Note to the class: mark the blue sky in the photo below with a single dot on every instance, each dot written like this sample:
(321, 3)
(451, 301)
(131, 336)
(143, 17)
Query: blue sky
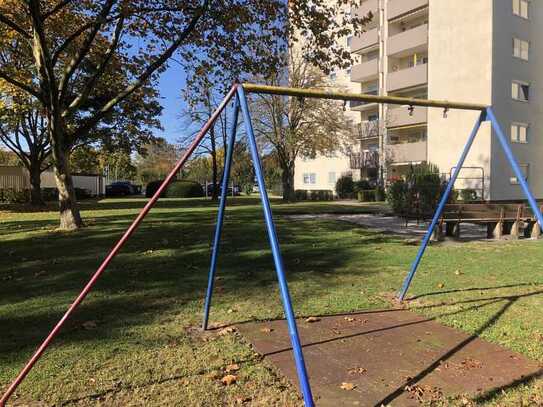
(172, 82)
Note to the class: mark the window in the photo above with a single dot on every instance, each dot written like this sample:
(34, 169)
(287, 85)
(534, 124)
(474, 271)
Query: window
(348, 70)
(519, 133)
(332, 178)
(520, 91)
(310, 178)
(520, 8)
(521, 49)
(525, 168)
(349, 41)
(333, 76)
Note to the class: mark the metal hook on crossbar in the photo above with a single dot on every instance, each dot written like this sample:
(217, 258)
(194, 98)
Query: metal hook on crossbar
(411, 109)
(344, 105)
(445, 112)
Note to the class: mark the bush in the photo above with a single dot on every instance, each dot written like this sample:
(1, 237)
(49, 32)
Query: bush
(81, 193)
(380, 194)
(301, 194)
(468, 195)
(367, 195)
(362, 185)
(10, 195)
(152, 187)
(248, 189)
(345, 187)
(49, 194)
(184, 189)
(396, 196)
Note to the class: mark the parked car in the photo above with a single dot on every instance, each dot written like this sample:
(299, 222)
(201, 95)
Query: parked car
(122, 188)
(236, 192)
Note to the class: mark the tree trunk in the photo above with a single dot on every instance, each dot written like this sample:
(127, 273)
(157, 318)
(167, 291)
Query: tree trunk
(36, 198)
(70, 219)
(214, 167)
(287, 179)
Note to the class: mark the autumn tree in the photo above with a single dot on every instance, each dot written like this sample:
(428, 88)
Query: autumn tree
(156, 160)
(73, 45)
(299, 127)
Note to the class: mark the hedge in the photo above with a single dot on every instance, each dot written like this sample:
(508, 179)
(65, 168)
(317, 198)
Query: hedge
(184, 189)
(314, 195)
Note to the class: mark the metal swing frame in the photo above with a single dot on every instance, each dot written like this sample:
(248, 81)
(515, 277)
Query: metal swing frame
(238, 92)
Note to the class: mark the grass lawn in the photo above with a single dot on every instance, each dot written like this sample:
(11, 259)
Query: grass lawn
(134, 340)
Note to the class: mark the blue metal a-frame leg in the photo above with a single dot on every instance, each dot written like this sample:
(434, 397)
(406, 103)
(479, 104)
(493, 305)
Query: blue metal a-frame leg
(241, 102)
(488, 114)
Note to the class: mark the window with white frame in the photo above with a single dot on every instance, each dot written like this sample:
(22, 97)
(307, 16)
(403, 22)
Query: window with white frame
(332, 178)
(520, 91)
(525, 168)
(521, 8)
(333, 76)
(521, 49)
(519, 133)
(310, 178)
(349, 41)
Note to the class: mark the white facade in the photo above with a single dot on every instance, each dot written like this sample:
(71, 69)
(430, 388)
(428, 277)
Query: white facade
(484, 51)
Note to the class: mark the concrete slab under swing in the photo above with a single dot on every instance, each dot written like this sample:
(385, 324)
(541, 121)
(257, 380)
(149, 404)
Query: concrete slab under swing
(392, 357)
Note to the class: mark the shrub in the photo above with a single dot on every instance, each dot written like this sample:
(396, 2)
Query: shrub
(397, 196)
(152, 187)
(49, 194)
(301, 194)
(10, 195)
(468, 195)
(345, 187)
(248, 189)
(366, 195)
(380, 194)
(81, 193)
(184, 189)
(362, 185)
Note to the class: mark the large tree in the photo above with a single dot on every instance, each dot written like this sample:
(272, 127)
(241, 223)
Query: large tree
(299, 127)
(72, 45)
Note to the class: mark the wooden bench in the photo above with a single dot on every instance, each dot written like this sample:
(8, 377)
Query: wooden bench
(501, 219)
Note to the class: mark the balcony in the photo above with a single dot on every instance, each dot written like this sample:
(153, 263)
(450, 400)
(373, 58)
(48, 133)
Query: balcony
(360, 106)
(400, 116)
(408, 78)
(408, 42)
(366, 7)
(365, 159)
(365, 71)
(397, 8)
(407, 152)
(366, 40)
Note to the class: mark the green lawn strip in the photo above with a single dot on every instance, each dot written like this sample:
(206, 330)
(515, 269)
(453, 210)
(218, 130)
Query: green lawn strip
(133, 343)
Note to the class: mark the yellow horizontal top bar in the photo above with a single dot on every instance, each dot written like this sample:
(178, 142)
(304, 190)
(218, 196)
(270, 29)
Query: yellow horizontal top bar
(391, 100)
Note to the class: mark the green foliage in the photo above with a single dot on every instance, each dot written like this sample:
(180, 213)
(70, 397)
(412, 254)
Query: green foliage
(366, 195)
(396, 196)
(11, 195)
(468, 195)
(345, 187)
(314, 195)
(184, 189)
(362, 185)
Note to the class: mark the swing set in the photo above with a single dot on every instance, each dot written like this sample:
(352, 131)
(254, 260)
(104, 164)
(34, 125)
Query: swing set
(238, 93)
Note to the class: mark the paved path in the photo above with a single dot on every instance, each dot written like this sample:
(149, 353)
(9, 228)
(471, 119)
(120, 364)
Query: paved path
(392, 357)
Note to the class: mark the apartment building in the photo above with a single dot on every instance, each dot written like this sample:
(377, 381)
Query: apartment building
(484, 51)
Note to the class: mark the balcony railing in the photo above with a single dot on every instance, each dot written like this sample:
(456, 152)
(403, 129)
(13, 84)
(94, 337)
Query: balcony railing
(405, 116)
(397, 8)
(364, 159)
(357, 104)
(408, 152)
(407, 78)
(366, 40)
(365, 71)
(368, 129)
(409, 41)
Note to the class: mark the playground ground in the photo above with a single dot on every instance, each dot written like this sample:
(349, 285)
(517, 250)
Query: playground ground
(135, 339)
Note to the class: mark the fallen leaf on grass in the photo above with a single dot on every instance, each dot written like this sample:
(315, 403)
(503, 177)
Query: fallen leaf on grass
(347, 386)
(266, 330)
(440, 285)
(226, 331)
(229, 379)
(232, 368)
(312, 319)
